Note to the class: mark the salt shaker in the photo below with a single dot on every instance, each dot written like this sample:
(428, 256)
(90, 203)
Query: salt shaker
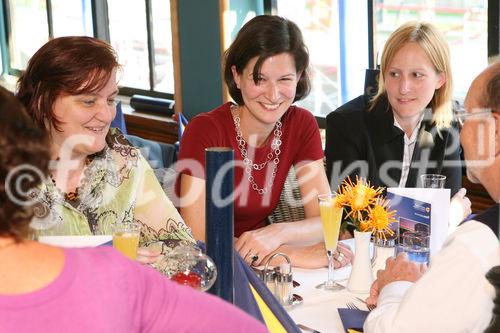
(283, 281)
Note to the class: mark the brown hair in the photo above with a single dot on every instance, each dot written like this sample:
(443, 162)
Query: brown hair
(265, 36)
(64, 65)
(435, 46)
(23, 163)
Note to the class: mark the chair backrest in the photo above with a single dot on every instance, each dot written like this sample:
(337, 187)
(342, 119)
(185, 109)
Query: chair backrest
(371, 81)
(181, 124)
(290, 207)
(119, 121)
(158, 154)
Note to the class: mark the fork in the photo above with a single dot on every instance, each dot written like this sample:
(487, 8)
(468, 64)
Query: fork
(352, 306)
(369, 306)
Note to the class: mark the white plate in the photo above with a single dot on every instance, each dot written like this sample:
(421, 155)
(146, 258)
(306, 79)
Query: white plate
(75, 241)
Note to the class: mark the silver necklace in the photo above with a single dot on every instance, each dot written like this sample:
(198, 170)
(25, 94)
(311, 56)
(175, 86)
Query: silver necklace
(272, 157)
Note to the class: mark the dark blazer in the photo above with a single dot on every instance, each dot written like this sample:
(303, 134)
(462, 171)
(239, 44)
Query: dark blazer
(366, 143)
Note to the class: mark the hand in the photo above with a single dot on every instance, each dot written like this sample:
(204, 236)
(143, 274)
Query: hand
(343, 255)
(312, 256)
(147, 256)
(400, 269)
(255, 245)
(374, 291)
(460, 208)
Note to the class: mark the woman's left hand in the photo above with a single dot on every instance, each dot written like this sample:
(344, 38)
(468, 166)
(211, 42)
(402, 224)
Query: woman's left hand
(314, 256)
(343, 255)
(255, 245)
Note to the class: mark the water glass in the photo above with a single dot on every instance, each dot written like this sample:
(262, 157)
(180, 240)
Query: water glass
(416, 246)
(433, 180)
(126, 238)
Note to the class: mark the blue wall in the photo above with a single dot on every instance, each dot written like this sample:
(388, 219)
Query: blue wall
(200, 54)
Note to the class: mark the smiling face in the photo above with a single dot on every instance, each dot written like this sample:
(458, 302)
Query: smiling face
(411, 80)
(269, 98)
(84, 118)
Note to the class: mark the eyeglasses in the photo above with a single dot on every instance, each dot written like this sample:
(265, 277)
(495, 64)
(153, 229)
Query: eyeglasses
(461, 115)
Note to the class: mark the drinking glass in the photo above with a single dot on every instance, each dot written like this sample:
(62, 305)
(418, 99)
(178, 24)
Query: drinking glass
(433, 180)
(331, 216)
(126, 238)
(416, 246)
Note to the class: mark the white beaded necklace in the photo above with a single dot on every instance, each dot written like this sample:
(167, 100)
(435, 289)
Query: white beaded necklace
(272, 157)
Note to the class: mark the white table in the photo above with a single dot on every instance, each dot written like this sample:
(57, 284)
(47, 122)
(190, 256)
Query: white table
(319, 308)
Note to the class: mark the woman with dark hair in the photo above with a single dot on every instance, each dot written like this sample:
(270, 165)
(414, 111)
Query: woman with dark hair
(50, 289)
(266, 71)
(97, 179)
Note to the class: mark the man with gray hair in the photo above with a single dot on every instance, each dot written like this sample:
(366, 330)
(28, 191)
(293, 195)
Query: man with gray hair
(454, 294)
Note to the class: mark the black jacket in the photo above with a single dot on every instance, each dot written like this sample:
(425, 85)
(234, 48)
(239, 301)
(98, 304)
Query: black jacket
(366, 143)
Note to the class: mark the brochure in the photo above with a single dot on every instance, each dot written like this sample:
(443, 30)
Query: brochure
(412, 215)
(422, 209)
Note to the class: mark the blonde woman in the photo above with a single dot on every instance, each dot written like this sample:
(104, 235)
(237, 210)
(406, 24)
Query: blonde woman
(406, 129)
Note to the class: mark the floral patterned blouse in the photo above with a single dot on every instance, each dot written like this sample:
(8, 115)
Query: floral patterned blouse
(119, 186)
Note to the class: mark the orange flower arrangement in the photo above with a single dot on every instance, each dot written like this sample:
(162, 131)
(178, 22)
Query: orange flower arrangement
(366, 207)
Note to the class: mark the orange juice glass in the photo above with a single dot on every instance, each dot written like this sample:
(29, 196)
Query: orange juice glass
(126, 239)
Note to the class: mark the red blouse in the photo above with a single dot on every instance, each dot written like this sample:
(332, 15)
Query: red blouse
(300, 142)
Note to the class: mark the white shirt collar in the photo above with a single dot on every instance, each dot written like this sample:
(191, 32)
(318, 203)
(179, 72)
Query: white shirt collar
(410, 140)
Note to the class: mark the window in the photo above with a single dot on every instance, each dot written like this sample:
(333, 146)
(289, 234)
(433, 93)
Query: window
(318, 22)
(140, 32)
(333, 31)
(22, 40)
(464, 24)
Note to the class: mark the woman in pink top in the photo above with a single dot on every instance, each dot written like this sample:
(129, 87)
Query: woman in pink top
(49, 289)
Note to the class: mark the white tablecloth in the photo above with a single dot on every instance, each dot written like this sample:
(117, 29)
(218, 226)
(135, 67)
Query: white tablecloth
(319, 308)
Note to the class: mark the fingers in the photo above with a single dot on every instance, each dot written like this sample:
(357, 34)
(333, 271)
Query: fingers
(251, 257)
(461, 193)
(374, 291)
(342, 256)
(245, 250)
(423, 268)
(255, 245)
(148, 252)
(239, 243)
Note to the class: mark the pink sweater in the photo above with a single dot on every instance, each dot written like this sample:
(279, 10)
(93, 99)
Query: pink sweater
(101, 291)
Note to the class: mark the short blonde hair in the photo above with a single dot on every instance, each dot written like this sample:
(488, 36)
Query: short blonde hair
(430, 39)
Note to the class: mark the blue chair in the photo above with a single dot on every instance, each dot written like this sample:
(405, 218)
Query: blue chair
(119, 121)
(159, 155)
(181, 124)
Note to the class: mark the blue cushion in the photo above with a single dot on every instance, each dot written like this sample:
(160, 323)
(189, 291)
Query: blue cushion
(158, 154)
(119, 121)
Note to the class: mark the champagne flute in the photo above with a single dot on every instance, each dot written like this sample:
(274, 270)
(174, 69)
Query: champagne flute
(331, 216)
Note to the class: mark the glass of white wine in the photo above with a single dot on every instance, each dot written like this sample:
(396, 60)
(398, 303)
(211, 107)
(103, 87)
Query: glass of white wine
(331, 217)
